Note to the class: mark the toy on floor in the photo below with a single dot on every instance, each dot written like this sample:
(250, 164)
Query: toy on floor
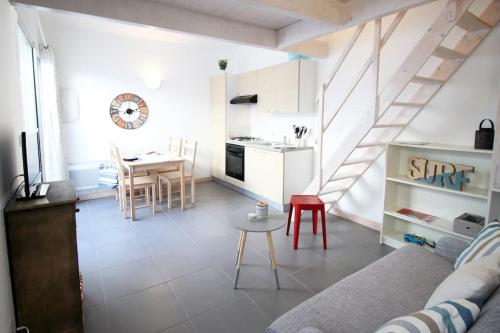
(421, 241)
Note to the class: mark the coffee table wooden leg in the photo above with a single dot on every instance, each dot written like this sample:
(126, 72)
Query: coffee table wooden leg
(240, 257)
(239, 246)
(274, 264)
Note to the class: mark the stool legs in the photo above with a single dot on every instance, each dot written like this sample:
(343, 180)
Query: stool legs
(296, 227)
(273, 258)
(323, 225)
(241, 250)
(290, 210)
(315, 221)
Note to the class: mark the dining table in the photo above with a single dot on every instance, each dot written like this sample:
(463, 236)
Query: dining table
(153, 163)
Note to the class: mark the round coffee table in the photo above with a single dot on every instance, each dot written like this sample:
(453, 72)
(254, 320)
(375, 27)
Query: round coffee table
(245, 225)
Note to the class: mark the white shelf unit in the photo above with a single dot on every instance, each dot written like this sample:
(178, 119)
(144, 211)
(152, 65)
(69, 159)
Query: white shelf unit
(445, 204)
(494, 195)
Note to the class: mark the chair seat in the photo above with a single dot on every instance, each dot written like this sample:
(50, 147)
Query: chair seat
(141, 180)
(174, 175)
(306, 200)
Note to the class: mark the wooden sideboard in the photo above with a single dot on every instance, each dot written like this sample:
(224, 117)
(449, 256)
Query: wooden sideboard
(41, 240)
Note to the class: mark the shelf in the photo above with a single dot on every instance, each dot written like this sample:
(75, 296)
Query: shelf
(438, 224)
(436, 146)
(474, 192)
(495, 190)
(393, 240)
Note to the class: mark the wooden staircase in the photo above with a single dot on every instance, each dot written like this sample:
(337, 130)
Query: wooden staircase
(426, 69)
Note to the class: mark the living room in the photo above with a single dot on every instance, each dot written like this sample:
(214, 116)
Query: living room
(182, 131)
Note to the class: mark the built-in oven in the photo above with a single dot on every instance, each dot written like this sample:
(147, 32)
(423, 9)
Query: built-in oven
(235, 161)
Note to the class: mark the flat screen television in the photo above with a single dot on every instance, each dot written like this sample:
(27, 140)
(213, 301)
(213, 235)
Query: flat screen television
(32, 167)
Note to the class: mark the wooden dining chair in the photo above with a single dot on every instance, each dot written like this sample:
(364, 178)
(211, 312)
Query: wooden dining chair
(145, 183)
(170, 178)
(175, 146)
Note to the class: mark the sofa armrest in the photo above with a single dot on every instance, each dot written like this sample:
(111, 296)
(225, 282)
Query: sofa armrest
(450, 247)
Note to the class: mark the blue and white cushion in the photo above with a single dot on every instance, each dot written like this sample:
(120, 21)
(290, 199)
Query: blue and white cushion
(485, 244)
(455, 316)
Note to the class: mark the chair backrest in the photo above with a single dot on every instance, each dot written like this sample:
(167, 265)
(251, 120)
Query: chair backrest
(175, 146)
(189, 154)
(115, 155)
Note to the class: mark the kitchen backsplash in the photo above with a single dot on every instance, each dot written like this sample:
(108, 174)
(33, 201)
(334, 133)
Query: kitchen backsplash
(273, 127)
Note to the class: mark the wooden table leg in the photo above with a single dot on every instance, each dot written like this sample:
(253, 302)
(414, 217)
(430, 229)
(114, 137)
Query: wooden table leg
(132, 193)
(240, 257)
(274, 264)
(239, 246)
(183, 186)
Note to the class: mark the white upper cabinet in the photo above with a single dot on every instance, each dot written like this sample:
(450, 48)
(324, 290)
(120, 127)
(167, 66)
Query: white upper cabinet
(287, 88)
(247, 83)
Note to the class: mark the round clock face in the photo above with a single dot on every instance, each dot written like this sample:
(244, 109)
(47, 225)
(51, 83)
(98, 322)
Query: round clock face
(128, 111)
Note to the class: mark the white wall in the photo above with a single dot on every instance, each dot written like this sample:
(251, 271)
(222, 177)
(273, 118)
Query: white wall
(10, 152)
(451, 117)
(101, 59)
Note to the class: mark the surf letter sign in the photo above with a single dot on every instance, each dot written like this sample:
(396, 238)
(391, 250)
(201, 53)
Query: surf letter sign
(438, 173)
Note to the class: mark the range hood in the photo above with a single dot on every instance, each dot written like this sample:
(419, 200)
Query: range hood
(245, 99)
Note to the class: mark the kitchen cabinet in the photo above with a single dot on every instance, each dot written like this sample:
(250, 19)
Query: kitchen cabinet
(272, 175)
(247, 83)
(218, 98)
(264, 173)
(253, 170)
(287, 88)
(275, 176)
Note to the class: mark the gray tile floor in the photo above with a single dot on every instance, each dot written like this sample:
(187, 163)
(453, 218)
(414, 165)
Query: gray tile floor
(173, 271)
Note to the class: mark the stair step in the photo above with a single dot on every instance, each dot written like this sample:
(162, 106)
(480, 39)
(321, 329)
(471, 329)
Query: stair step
(426, 80)
(330, 202)
(344, 175)
(332, 189)
(471, 22)
(371, 144)
(389, 125)
(447, 54)
(352, 161)
(408, 105)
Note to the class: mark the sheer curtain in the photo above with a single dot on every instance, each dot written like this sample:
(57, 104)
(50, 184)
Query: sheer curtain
(54, 161)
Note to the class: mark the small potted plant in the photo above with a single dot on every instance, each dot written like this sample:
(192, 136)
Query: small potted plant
(223, 64)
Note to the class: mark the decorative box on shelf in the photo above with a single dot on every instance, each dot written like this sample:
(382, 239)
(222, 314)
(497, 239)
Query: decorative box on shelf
(468, 224)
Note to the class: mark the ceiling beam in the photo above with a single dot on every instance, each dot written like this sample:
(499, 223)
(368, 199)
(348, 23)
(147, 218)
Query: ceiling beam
(360, 12)
(312, 48)
(326, 11)
(164, 16)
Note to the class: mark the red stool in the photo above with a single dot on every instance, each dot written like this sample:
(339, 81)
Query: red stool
(306, 202)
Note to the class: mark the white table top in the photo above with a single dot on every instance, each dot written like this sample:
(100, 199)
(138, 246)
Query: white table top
(145, 159)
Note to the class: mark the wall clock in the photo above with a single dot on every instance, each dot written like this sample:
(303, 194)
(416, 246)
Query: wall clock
(128, 111)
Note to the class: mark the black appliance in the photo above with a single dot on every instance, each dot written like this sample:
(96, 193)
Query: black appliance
(235, 161)
(245, 99)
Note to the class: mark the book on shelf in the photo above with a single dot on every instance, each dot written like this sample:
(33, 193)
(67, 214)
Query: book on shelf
(417, 215)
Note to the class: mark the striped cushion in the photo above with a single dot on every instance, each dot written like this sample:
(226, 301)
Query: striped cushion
(486, 243)
(451, 316)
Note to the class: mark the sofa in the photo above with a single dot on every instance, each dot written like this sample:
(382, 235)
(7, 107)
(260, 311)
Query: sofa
(395, 285)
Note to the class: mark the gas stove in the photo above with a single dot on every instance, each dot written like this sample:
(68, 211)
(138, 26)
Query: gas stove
(246, 139)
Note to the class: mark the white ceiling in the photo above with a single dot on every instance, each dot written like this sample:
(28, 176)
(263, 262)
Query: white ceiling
(245, 11)
(289, 25)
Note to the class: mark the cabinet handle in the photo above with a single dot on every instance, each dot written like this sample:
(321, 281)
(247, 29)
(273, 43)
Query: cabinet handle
(77, 210)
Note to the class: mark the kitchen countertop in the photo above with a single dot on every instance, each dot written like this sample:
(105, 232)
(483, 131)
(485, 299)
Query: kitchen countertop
(268, 146)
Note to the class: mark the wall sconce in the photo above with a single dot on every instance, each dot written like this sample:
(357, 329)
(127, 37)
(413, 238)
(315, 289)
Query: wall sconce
(153, 82)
